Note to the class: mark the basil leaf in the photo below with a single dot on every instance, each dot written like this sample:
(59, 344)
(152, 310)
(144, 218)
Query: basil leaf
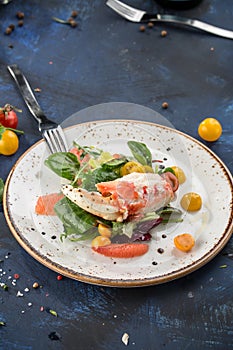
(114, 163)
(140, 152)
(64, 164)
(1, 189)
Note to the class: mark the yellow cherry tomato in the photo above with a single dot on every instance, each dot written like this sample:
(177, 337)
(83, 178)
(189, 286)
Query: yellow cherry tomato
(179, 173)
(100, 241)
(191, 201)
(131, 167)
(104, 230)
(210, 129)
(184, 242)
(147, 169)
(9, 143)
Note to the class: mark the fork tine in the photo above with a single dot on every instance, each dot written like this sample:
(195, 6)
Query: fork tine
(62, 138)
(55, 140)
(126, 11)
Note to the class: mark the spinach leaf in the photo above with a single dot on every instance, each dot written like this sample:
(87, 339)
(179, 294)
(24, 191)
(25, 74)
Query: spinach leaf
(101, 174)
(76, 221)
(140, 152)
(64, 164)
(1, 189)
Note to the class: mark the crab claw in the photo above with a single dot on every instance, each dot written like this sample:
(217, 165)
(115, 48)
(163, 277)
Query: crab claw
(94, 203)
(132, 195)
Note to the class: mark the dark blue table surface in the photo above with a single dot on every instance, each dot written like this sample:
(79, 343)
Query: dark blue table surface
(107, 59)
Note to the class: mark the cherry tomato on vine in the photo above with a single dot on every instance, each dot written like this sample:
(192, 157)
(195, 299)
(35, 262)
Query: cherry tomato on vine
(2, 115)
(210, 129)
(8, 117)
(9, 143)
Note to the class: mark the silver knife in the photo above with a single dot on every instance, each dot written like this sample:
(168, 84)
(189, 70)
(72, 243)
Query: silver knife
(135, 15)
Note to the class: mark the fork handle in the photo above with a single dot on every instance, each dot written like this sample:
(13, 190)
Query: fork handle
(27, 94)
(189, 22)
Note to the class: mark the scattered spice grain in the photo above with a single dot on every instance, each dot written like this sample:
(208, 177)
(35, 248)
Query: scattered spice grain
(12, 26)
(20, 15)
(35, 285)
(125, 338)
(52, 312)
(74, 13)
(20, 23)
(142, 28)
(8, 31)
(73, 23)
(163, 33)
(150, 24)
(54, 336)
(164, 105)
(160, 250)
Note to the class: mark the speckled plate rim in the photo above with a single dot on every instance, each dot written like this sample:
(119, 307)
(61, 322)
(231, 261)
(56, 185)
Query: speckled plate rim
(118, 282)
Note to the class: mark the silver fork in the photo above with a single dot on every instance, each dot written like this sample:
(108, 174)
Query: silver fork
(135, 15)
(51, 131)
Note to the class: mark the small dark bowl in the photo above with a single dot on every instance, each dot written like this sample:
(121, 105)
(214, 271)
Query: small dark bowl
(179, 4)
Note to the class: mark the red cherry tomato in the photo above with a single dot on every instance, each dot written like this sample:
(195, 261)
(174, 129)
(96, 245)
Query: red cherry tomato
(2, 115)
(8, 117)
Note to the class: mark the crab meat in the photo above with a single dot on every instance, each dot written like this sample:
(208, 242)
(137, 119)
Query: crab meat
(132, 195)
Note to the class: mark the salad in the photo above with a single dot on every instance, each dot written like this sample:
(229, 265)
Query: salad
(112, 200)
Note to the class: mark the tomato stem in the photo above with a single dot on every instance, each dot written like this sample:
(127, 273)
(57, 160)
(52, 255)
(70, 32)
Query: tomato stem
(8, 107)
(3, 129)
(15, 130)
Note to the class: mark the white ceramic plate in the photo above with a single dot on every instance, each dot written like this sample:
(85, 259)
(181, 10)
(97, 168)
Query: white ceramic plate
(206, 175)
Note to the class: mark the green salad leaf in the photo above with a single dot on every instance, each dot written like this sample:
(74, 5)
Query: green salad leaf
(166, 170)
(1, 189)
(78, 224)
(91, 178)
(108, 171)
(114, 163)
(91, 150)
(64, 164)
(140, 152)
